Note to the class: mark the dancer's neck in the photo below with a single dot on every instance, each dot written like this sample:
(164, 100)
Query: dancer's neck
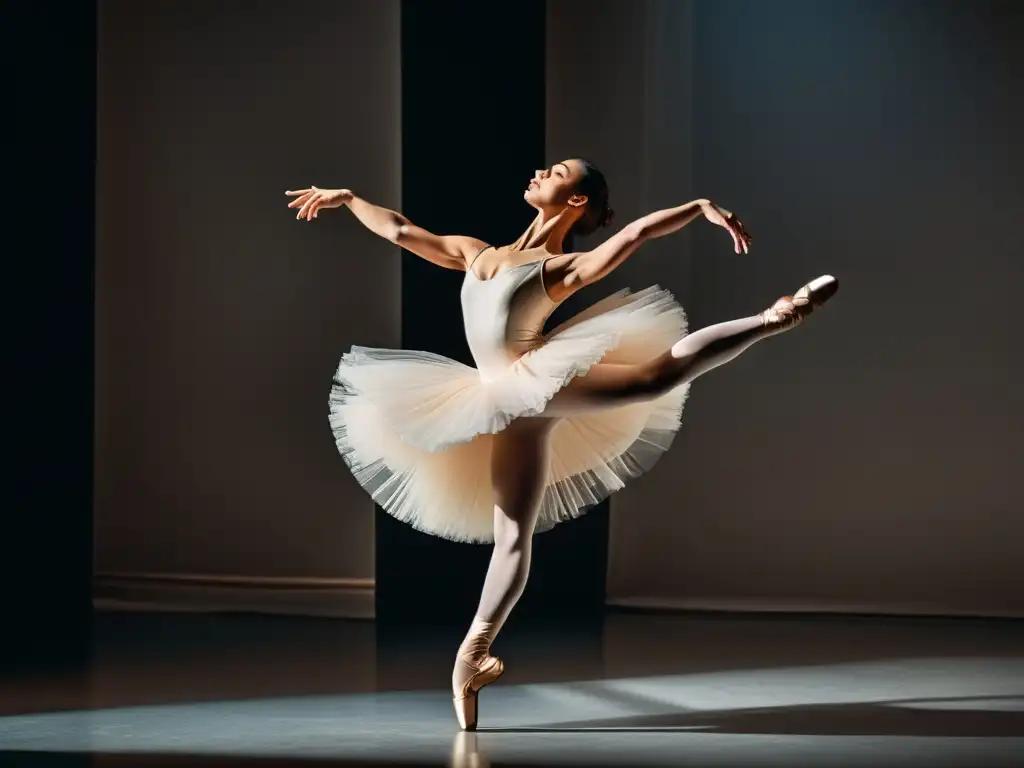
(547, 231)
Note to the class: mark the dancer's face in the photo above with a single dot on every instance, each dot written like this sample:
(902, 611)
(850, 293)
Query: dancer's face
(553, 189)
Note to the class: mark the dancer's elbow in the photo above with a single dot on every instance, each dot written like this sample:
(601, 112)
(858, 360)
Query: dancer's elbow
(634, 234)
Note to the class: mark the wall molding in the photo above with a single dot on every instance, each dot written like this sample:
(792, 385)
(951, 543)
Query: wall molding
(739, 605)
(349, 598)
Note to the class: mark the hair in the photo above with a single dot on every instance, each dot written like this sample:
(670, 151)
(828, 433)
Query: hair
(597, 213)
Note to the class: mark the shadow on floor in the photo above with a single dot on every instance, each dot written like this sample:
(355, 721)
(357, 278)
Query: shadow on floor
(948, 718)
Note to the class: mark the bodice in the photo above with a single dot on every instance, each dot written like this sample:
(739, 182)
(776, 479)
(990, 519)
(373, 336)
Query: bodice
(504, 316)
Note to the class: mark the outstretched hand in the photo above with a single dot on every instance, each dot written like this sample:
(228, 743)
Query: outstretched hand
(310, 201)
(723, 218)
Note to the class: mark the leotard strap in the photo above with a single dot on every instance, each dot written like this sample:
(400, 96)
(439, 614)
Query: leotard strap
(476, 257)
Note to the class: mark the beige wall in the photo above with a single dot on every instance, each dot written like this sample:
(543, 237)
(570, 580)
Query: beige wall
(219, 317)
(867, 461)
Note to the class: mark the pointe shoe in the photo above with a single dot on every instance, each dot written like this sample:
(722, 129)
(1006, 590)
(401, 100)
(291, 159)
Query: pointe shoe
(789, 311)
(489, 669)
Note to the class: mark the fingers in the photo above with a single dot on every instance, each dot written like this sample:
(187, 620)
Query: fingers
(747, 239)
(740, 235)
(304, 211)
(744, 242)
(730, 227)
(306, 200)
(741, 239)
(741, 242)
(314, 204)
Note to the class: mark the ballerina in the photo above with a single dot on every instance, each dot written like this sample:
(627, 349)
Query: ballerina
(547, 424)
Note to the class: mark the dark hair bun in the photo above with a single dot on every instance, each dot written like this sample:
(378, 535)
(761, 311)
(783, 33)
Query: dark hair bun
(607, 216)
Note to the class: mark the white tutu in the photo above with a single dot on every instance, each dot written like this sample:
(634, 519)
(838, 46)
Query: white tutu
(417, 429)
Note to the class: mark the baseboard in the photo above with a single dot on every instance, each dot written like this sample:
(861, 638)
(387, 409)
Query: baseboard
(714, 605)
(208, 593)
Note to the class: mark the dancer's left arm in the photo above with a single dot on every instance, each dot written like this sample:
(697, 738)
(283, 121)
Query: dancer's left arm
(590, 266)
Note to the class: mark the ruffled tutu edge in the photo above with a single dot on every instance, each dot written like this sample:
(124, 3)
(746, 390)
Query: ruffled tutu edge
(416, 429)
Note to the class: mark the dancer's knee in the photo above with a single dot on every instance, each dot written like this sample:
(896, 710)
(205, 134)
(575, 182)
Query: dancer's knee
(512, 547)
(510, 536)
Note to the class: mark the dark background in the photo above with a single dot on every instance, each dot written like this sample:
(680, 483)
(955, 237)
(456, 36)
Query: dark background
(46, 523)
(880, 141)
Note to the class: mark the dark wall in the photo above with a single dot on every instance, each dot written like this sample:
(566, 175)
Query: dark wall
(473, 130)
(869, 460)
(46, 517)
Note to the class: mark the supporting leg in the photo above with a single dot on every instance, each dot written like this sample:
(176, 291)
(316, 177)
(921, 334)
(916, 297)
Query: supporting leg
(519, 472)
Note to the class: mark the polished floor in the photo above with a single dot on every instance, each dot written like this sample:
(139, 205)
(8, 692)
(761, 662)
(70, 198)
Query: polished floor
(638, 690)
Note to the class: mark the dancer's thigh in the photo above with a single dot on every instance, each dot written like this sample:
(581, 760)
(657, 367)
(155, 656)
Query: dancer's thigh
(606, 385)
(519, 471)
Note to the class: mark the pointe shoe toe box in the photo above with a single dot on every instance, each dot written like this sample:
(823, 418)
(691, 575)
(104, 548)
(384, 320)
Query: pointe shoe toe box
(819, 290)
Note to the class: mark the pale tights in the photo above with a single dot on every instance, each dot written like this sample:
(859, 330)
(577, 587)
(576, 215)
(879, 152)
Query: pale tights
(520, 460)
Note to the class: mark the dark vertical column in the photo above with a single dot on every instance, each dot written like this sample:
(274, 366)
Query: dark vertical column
(46, 509)
(473, 101)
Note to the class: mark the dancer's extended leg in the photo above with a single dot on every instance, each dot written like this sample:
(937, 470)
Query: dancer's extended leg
(519, 471)
(611, 385)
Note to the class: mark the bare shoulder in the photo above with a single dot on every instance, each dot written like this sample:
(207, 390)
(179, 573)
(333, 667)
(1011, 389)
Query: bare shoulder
(562, 276)
(471, 247)
(572, 271)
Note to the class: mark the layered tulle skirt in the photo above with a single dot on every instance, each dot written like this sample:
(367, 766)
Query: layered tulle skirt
(417, 429)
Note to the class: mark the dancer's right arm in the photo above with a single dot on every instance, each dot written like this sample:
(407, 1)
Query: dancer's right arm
(449, 251)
